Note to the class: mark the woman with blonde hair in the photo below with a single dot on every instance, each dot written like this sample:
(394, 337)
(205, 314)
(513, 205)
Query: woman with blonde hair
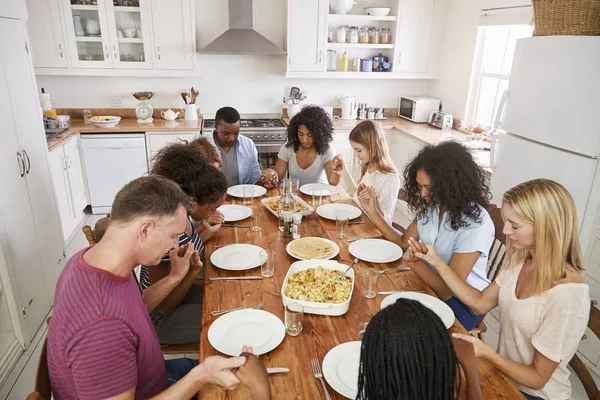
(542, 297)
(378, 173)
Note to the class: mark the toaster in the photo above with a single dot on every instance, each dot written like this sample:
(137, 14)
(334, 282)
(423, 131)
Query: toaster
(441, 120)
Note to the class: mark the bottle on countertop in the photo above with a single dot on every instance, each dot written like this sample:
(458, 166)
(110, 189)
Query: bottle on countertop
(344, 66)
(47, 106)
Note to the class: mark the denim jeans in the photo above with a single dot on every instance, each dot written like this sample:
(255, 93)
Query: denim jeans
(463, 313)
(178, 368)
(530, 397)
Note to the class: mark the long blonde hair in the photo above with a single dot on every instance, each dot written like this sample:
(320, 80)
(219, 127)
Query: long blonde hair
(551, 209)
(368, 134)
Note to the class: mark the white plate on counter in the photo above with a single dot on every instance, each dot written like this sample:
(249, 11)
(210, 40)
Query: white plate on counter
(333, 210)
(375, 250)
(336, 249)
(237, 257)
(326, 190)
(442, 309)
(238, 191)
(257, 328)
(234, 212)
(340, 368)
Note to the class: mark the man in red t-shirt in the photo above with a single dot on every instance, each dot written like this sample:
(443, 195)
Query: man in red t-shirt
(101, 342)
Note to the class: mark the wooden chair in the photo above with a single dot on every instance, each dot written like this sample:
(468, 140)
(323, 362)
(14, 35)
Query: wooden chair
(579, 367)
(496, 258)
(43, 389)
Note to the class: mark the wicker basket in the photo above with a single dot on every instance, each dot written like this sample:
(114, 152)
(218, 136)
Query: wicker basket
(566, 17)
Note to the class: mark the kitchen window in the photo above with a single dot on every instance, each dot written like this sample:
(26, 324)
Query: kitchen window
(496, 39)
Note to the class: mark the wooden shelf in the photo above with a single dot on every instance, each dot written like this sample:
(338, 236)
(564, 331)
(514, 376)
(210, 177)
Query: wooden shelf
(360, 17)
(359, 46)
(83, 7)
(126, 9)
(131, 40)
(88, 38)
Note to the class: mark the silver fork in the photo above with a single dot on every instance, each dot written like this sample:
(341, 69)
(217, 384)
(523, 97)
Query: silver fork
(256, 307)
(316, 368)
(383, 271)
(228, 244)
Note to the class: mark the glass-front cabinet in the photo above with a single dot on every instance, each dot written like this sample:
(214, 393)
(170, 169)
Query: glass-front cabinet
(109, 33)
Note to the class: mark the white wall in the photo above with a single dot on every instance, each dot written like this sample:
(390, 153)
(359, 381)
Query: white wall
(252, 84)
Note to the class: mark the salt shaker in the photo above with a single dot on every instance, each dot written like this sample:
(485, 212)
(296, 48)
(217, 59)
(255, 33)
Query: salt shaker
(296, 229)
(371, 114)
(288, 224)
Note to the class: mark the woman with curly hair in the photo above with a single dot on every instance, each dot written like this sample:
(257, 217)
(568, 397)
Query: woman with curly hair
(378, 173)
(448, 192)
(308, 153)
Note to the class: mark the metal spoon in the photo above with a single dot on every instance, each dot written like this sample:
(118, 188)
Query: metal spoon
(339, 278)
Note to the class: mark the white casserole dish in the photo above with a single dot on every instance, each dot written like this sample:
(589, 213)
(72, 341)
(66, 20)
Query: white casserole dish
(311, 307)
(298, 199)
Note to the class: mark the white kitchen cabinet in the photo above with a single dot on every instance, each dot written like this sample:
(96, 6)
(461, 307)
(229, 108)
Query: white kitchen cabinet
(30, 233)
(413, 35)
(172, 23)
(307, 35)
(67, 176)
(155, 141)
(46, 34)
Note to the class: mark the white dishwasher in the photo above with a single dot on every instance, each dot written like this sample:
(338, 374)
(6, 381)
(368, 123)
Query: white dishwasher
(111, 161)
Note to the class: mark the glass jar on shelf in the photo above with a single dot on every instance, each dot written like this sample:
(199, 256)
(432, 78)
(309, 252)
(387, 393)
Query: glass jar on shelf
(385, 36)
(332, 60)
(353, 35)
(374, 35)
(341, 34)
(330, 34)
(363, 35)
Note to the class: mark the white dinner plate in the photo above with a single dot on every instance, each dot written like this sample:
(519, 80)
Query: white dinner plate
(340, 368)
(235, 212)
(326, 190)
(257, 328)
(375, 250)
(442, 309)
(238, 191)
(333, 210)
(336, 249)
(237, 257)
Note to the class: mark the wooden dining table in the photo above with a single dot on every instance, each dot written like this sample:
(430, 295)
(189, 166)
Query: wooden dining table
(320, 333)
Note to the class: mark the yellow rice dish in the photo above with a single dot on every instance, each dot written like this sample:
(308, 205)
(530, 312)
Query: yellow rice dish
(319, 285)
(273, 204)
(102, 119)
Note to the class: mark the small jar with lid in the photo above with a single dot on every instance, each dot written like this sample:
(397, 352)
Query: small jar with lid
(385, 36)
(363, 35)
(374, 35)
(341, 34)
(353, 35)
(330, 34)
(332, 57)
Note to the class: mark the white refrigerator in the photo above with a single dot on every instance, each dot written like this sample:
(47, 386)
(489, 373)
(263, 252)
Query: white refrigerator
(552, 121)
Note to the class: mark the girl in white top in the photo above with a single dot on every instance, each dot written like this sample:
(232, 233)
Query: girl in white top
(378, 173)
(543, 300)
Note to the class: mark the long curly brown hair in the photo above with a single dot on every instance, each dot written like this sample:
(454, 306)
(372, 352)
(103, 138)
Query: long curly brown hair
(318, 123)
(457, 183)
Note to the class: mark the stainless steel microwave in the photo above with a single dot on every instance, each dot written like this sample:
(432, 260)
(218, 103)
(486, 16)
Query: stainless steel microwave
(416, 108)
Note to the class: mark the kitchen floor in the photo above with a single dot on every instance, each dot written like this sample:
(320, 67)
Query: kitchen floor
(22, 379)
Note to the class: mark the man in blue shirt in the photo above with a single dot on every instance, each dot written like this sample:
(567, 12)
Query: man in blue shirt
(239, 155)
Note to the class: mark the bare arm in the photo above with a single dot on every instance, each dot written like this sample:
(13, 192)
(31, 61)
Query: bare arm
(465, 353)
(480, 302)
(332, 177)
(534, 375)
(210, 226)
(340, 168)
(369, 203)
(281, 168)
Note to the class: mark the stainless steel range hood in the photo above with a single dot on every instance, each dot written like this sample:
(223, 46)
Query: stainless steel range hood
(240, 38)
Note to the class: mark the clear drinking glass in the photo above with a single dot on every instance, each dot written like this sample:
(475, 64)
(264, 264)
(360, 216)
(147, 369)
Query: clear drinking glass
(341, 222)
(294, 313)
(267, 260)
(295, 186)
(87, 114)
(369, 277)
(317, 197)
(248, 194)
(257, 218)
(362, 321)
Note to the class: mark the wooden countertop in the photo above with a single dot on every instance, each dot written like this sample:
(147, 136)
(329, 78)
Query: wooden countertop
(126, 125)
(320, 333)
(423, 133)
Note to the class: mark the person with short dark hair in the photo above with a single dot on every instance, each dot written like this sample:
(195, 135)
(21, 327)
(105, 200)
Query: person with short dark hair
(209, 151)
(238, 153)
(407, 353)
(449, 194)
(308, 151)
(177, 317)
(101, 342)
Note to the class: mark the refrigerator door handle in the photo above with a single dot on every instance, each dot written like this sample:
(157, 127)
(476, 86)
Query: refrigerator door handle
(498, 119)
(493, 149)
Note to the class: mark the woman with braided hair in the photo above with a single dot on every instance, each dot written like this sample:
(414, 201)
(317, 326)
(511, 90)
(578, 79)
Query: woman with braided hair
(407, 354)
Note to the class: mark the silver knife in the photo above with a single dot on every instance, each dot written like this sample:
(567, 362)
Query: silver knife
(356, 222)
(355, 239)
(400, 291)
(277, 370)
(235, 226)
(233, 278)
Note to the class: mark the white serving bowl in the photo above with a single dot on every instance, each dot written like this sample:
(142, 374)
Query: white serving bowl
(378, 11)
(341, 6)
(108, 123)
(311, 307)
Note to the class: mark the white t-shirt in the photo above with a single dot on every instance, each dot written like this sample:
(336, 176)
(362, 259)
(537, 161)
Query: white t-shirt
(315, 173)
(386, 188)
(552, 323)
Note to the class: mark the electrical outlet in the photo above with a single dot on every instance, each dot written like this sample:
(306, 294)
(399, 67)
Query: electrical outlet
(116, 101)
